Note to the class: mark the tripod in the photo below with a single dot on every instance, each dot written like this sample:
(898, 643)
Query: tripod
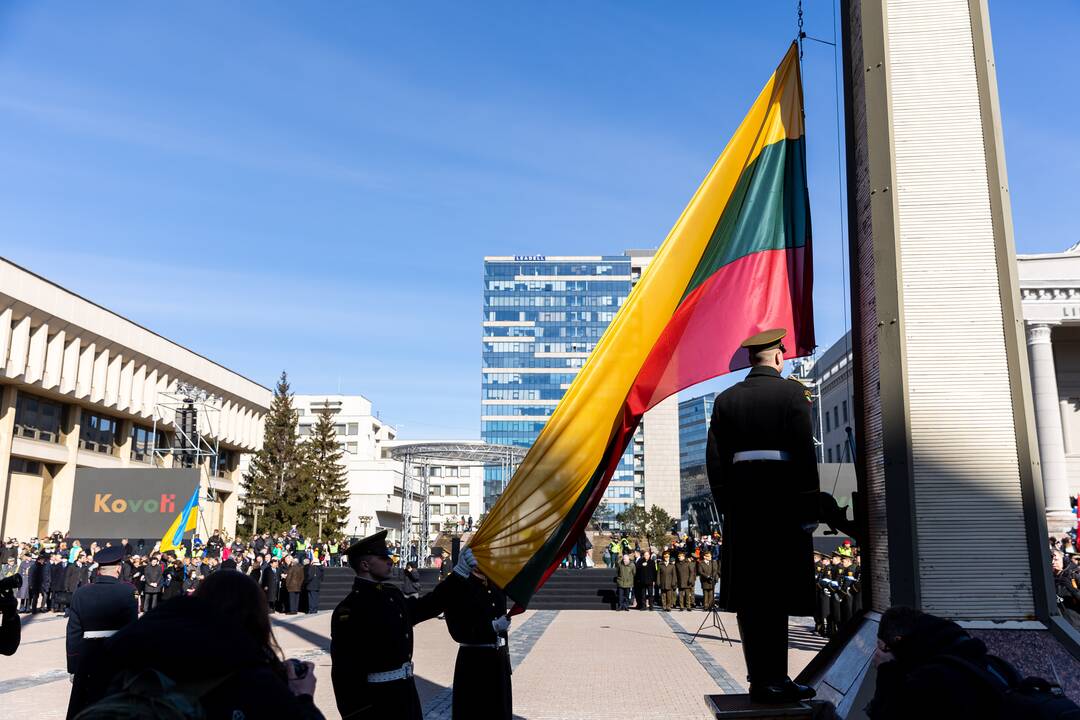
(717, 623)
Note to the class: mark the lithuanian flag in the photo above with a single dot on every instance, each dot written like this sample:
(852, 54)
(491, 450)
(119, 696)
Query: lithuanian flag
(737, 262)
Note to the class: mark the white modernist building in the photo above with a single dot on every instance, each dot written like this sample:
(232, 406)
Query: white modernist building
(1050, 294)
(375, 486)
(84, 387)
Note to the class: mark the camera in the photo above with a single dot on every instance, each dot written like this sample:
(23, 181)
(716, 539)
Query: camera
(10, 583)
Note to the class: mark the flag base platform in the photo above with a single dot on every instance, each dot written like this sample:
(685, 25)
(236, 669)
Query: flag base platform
(732, 707)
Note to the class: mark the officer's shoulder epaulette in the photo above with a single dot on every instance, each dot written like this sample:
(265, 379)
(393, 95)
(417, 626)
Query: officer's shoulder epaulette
(807, 392)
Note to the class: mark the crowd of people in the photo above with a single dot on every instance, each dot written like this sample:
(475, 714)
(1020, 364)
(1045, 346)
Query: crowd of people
(1065, 564)
(837, 583)
(653, 580)
(289, 567)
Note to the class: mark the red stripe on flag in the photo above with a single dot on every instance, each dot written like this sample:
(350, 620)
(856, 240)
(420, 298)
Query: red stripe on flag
(768, 289)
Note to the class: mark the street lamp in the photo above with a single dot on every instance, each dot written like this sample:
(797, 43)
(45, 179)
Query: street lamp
(257, 506)
(364, 520)
(321, 514)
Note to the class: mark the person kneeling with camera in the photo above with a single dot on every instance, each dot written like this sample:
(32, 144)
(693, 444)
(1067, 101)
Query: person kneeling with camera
(10, 624)
(213, 651)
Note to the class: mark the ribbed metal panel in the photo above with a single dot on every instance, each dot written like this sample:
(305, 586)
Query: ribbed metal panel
(865, 318)
(972, 551)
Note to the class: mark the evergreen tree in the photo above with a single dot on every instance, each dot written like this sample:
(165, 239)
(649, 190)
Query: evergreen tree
(277, 474)
(329, 479)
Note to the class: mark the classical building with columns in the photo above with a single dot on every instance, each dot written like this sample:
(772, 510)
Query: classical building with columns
(1050, 293)
(82, 387)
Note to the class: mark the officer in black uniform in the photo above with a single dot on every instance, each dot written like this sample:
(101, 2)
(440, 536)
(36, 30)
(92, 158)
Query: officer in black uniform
(371, 638)
(476, 618)
(762, 467)
(96, 612)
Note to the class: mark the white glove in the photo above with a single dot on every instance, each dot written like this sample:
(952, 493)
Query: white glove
(500, 625)
(466, 563)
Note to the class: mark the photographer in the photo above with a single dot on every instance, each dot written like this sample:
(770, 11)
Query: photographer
(236, 662)
(10, 624)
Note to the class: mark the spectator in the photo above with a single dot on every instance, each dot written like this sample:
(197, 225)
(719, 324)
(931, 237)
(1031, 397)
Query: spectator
(294, 583)
(668, 582)
(236, 655)
(313, 577)
(57, 570)
(40, 578)
(153, 583)
(10, 624)
(645, 581)
(271, 583)
(915, 677)
(410, 582)
(624, 580)
(23, 593)
(1067, 588)
(709, 572)
(684, 577)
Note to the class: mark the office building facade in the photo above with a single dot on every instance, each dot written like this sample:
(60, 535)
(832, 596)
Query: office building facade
(830, 377)
(83, 387)
(694, 416)
(542, 317)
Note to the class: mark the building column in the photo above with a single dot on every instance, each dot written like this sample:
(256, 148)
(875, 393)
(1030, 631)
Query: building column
(1044, 390)
(63, 482)
(8, 393)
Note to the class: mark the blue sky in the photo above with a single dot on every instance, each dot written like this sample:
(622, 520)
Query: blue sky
(312, 186)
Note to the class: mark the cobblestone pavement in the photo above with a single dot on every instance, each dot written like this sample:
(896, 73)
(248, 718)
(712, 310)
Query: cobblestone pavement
(568, 665)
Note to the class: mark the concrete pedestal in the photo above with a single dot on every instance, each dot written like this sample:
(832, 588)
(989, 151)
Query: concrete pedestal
(732, 707)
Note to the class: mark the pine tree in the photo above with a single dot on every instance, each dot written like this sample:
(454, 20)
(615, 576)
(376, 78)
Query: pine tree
(277, 474)
(329, 479)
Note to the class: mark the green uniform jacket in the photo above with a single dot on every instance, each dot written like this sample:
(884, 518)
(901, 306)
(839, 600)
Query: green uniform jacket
(668, 580)
(684, 573)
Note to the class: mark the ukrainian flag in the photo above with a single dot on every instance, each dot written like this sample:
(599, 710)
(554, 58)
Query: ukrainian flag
(184, 522)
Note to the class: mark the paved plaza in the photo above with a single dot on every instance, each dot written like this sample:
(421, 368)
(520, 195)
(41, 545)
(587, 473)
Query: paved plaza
(568, 665)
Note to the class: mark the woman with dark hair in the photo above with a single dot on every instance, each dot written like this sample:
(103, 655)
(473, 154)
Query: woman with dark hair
(223, 645)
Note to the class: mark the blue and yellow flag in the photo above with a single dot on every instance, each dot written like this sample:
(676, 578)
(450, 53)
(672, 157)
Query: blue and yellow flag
(184, 522)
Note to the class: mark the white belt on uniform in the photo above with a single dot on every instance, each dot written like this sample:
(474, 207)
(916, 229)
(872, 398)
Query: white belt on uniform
(403, 672)
(500, 643)
(748, 455)
(95, 634)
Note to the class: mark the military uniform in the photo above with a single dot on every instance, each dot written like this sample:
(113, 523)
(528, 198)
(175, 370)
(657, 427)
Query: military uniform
(96, 612)
(708, 571)
(762, 468)
(371, 646)
(684, 575)
(668, 582)
(482, 686)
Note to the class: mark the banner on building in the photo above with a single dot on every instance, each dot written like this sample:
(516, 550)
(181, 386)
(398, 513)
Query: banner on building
(136, 503)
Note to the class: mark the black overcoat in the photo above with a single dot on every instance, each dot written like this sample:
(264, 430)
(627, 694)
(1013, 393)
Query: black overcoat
(482, 686)
(371, 631)
(103, 606)
(766, 505)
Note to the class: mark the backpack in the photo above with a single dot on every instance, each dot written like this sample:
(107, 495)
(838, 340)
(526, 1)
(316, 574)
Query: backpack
(1029, 698)
(151, 695)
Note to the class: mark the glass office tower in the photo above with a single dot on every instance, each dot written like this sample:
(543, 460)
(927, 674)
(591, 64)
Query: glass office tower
(694, 417)
(542, 318)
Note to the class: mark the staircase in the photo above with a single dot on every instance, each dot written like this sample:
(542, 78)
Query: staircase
(585, 589)
(338, 582)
